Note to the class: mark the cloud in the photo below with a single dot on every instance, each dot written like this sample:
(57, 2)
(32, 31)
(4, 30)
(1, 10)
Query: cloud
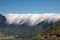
(33, 18)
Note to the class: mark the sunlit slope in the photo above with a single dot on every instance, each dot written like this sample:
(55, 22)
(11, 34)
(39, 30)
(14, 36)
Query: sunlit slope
(52, 33)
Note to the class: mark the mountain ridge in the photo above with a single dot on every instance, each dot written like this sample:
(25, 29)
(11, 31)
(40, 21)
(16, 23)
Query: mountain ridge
(24, 27)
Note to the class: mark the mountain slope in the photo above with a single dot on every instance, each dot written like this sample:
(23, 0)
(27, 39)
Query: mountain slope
(52, 33)
(25, 27)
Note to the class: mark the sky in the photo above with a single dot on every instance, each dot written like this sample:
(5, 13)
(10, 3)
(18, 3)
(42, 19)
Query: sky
(29, 6)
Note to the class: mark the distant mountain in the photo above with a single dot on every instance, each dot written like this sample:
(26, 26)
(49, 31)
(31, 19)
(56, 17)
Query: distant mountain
(2, 20)
(52, 33)
(25, 26)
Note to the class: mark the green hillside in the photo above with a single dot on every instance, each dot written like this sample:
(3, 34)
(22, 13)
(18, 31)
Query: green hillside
(52, 33)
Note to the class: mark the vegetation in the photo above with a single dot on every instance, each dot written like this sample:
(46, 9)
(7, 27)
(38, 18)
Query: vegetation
(52, 33)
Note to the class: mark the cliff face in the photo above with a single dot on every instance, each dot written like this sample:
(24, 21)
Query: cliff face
(52, 33)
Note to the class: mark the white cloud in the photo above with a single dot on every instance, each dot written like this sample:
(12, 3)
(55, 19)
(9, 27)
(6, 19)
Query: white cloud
(34, 18)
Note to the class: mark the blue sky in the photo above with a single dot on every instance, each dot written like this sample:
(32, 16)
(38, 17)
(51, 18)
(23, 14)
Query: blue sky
(29, 6)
